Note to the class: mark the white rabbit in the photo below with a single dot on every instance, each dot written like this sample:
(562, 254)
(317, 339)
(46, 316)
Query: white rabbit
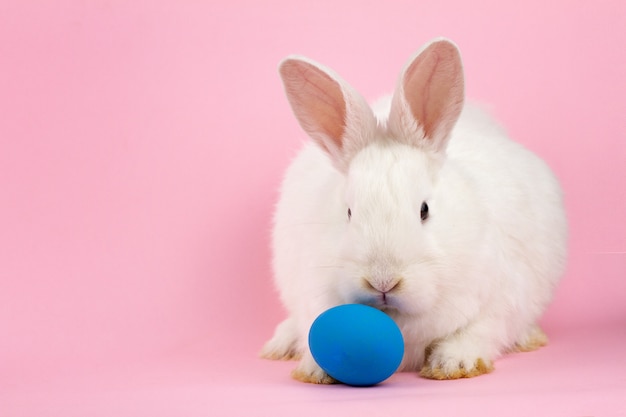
(424, 210)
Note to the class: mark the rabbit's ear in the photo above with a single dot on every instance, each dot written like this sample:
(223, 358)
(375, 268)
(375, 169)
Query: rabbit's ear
(429, 97)
(328, 109)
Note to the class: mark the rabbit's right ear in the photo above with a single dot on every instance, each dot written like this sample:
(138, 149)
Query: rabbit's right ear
(335, 116)
(429, 97)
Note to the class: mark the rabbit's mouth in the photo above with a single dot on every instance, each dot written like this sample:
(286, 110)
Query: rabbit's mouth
(381, 291)
(383, 301)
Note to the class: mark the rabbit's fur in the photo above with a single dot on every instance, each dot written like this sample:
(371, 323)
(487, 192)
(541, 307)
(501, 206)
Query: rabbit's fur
(467, 280)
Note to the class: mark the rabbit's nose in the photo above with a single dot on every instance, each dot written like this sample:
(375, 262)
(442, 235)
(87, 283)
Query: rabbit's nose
(383, 285)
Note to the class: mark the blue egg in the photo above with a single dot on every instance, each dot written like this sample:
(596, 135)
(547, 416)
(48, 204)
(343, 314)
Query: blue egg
(356, 344)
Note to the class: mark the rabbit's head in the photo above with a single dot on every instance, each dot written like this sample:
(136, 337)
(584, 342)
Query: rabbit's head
(400, 229)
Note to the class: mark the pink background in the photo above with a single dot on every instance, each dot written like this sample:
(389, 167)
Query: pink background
(141, 147)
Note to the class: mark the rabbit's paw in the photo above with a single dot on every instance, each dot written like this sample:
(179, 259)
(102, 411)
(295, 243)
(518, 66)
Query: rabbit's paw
(284, 344)
(310, 372)
(279, 352)
(533, 339)
(450, 360)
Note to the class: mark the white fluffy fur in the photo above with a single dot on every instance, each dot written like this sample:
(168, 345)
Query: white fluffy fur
(470, 282)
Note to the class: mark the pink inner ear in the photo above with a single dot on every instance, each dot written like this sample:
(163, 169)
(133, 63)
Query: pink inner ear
(433, 88)
(317, 101)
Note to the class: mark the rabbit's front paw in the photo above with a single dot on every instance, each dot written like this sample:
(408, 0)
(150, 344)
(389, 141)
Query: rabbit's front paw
(450, 360)
(284, 344)
(309, 371)
(533, 339)
(279, 352)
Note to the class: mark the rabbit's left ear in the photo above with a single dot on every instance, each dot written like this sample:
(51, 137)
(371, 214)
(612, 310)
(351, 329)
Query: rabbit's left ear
(334, 115)
(429, 97)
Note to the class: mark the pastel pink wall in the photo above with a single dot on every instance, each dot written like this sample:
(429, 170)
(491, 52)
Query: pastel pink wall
(142, 144)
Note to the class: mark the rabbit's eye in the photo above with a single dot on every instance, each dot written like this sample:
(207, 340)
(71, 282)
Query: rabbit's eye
(349, 214)
(424, 211)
